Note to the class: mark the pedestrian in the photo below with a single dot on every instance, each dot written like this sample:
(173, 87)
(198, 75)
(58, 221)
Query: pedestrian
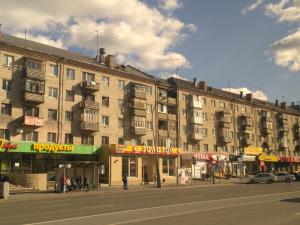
(86, 183)
(125, 182)
(68, 184)
(62, 184)
(246, 172)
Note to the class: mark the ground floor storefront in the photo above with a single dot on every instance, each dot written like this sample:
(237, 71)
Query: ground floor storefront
(139, 164)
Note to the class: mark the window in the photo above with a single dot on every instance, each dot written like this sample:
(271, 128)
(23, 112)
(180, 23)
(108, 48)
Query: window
(91, 115)
(31, 111)
(89, 98)
(236, 108)
(88, 76)
(149, 108)
(213, 103)
(129, 166)
(87, 140)
(51, 137)
(33, 64)
(5, 109)
(35, 86)
(121, 84)
(149, 125)
(70, 96)
(68, 116)
(54, 70)
(4, 134)
(53, 92)
(204, 101)
(162, 108)
(243, 109)
(30, 136)
(184, 146)
(68, 139)
(164, 142)
(9, 60)
(52, 114)
(120, 141)
(169, 166)
(105, 101)
(206, 147)
(213, 132)
(105, 140)
(183, 112)
(173, 142)
(139, 121)
(105, 81)
(149, 90)
(149, 142)
(140, 87)
(215, 148)
(6, 85)
(105, 120)
(120, 123)
(70, 74)
(184, 97)
(204, 115)
(222, 104)
(162, 93)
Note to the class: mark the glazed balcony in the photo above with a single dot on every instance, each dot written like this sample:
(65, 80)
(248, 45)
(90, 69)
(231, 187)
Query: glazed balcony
(89, 105)
(36, 74)
(138, 94)
(197, 136)
(90, 86)
(139, 131)
(33, 121)
(139, 112)
(32, 97)
(89, 126)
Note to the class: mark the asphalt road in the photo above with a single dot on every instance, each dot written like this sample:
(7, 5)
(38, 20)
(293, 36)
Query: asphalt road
(241, 204)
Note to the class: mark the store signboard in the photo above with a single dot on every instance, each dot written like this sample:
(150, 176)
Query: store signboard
(203, 157)
(253, 150)
(7, 145)
(268, 158)
(248, 158)
(144, 150)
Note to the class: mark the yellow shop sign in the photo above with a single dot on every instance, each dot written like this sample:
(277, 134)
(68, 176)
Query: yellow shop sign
(268, 158)
(52, 148)
(253, 150)
(147, 150)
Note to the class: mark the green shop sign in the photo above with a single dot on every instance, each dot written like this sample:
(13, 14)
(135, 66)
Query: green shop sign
(33, 147)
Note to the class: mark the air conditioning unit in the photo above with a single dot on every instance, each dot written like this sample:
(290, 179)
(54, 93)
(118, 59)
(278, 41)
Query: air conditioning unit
(20, 131)
(93, 83)
(88, 83)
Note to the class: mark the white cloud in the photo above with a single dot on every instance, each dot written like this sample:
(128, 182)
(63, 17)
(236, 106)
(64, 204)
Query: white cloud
(168, 75)
(169, 5)
(137, 33)
(252, 7)
(256, 93)
(284, 10)
(42, 39)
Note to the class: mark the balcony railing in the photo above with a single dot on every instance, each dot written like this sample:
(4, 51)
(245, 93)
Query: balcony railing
(197, 136)
(139, 105)
(139, 112)
(89, 126)
(34, 73)
(163, 133)
(32, 97)
(139, 130)
(172, 101)
(138, 94)
(89, 104)
(195, 103)
(90, 86)
(33, 121)
(162, 116)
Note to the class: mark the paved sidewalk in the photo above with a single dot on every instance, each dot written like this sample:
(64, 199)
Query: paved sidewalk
(38, 195)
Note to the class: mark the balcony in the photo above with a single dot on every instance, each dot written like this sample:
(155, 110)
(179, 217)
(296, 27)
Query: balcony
(162, 99)
(138, 94)
(162, 116)
(163, 133)
(247, 141)
(33, 121)
(139, 105)
(172, 101)
(31, 97)
(267, 130)
(282, 116)
(139, 130)
(224, 124)
(90, 86)
(172, 117)
(225, 139)
(196, 103)
(139, 112)
(89, 105)
(197, 120)
(173, 133)
(197, 136)
(89, 126)
(34, 73)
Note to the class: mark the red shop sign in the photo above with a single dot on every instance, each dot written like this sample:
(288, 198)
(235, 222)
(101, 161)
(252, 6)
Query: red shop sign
(206, 157)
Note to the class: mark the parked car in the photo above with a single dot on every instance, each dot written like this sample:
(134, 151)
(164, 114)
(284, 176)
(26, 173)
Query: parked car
(262, 178)
(297, 176)
(284, 177)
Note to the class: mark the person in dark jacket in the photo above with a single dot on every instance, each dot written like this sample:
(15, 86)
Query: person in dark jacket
(125, 182)
(86, 183)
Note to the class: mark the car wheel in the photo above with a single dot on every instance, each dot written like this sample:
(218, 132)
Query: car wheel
(270, 181)
(287, 180)
(251, 181)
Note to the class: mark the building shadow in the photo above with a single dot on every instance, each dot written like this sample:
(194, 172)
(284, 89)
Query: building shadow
(294, 200)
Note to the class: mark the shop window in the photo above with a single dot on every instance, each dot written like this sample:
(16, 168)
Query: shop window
(52, 114)
(168, 166)
(4, 134)
(70, 74)
(30, 136)
(6, 85)
(68, 139)
(5, 109)
(105, 140)
(129, 166)
(69, 95)
(105, 101)
(87, 140)
(51, 137)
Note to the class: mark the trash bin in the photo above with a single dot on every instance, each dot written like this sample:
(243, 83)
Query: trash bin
(4, 190)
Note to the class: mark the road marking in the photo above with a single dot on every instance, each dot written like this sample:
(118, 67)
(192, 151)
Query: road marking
(95, 206)
(50, 206)
(159, 207)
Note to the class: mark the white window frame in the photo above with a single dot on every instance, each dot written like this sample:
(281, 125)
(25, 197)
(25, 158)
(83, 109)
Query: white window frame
(105, 120)
(53, 92)
(72, 77)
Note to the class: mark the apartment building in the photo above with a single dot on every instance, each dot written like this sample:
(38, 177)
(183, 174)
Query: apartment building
(61, 107)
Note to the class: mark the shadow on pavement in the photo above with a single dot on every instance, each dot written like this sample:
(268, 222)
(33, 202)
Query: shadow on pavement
(295, 200)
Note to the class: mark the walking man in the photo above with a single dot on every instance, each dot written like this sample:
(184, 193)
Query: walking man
(86, 183)
(125, 182)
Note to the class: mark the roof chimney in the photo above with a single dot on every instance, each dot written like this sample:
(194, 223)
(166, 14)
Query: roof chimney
(110, 61)
(276, 102)
(100, 56)
(249, 97)
(202, 85)
(283, 105)
(195, 81)
(241, 94)
(293, 104)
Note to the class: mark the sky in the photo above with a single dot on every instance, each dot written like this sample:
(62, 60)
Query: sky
(249, 45)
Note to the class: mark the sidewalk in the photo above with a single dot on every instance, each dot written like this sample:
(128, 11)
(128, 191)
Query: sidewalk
(22, 195)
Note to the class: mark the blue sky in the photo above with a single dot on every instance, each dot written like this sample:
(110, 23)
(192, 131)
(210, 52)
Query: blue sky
(253, 43)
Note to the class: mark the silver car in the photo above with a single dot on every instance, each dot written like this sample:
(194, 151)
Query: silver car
(262, 178)
(284, 177)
